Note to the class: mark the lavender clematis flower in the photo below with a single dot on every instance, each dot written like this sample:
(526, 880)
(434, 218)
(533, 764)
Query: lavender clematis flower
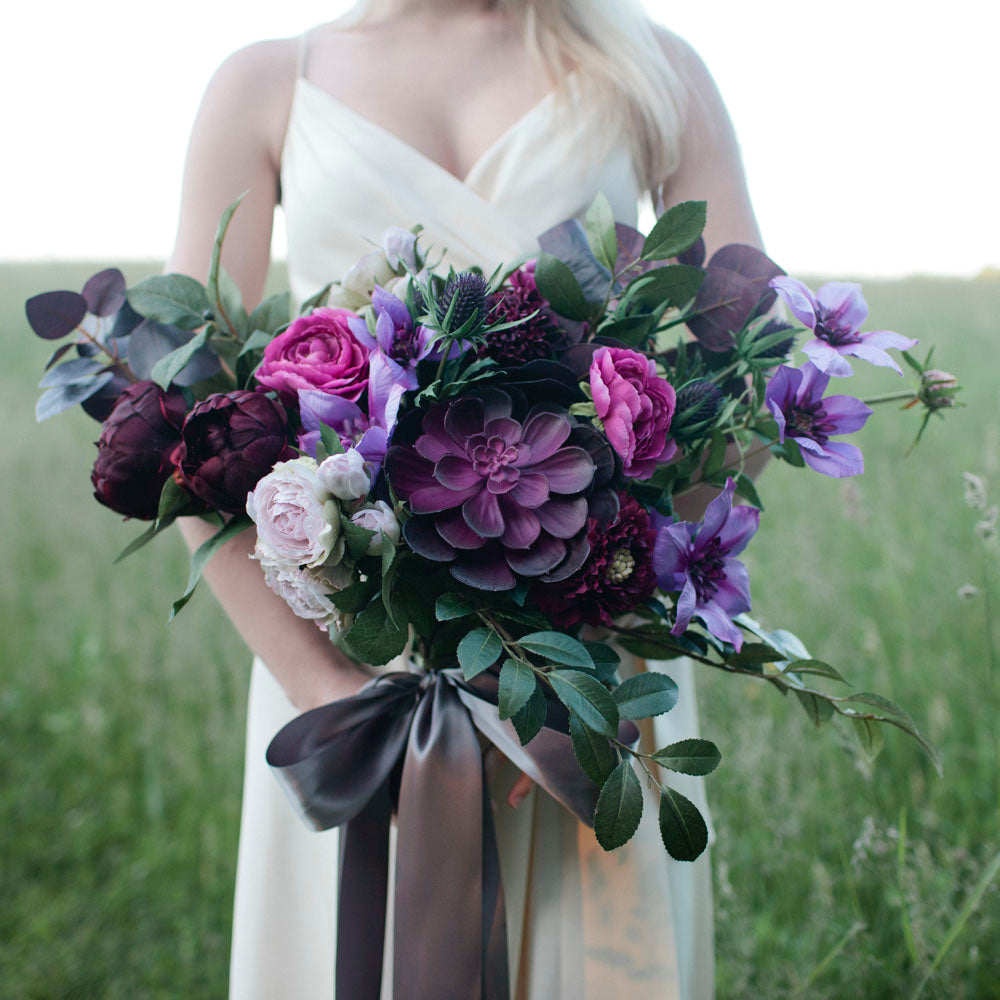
(698, 560)
(396, 339)
(795, 398)
(835, 314)
(368, 433)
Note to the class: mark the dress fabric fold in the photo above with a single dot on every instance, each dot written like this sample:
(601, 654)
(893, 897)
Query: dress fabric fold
(581, 923)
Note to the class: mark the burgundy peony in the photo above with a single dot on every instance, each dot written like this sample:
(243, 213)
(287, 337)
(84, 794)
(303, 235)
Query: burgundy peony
(133, 453)
(229, 442)
(519, 301)
(617, 576)
(635, 406)
(494, 496)
(317, 351)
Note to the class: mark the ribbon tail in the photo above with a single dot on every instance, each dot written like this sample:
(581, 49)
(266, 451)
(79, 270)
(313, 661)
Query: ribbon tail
(496, 972)
(361, 907)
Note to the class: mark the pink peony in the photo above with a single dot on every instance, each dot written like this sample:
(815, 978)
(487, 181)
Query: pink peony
(635, 406)
(305, 590)
(317, 351)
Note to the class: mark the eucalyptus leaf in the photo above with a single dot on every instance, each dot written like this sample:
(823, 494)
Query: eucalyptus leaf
(682, 827)
(586, 696)
(55, 314)
(645, 695)
(175, 299)
(675, 231)
(478, 651)
(451, 606)
(74, 370)
(619, 807)
(691, 756)
(517, 684)
(557, 647)
(105, 292)
(61, 397)
(593, 751)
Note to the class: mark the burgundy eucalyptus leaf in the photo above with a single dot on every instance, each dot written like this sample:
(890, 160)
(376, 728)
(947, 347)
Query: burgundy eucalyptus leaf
(62, 397)
(629, 264)
(694, 256)
(568, 241)
(102, 402)
(725, 301)
(55, 314)
(150, 341)
(752, 264)
(57, 354)
(104, 293)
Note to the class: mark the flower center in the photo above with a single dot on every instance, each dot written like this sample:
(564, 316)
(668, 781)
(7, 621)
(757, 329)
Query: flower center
(809, 420)
(621, 566)
(403, 345)
(834, 331)
(708, 571)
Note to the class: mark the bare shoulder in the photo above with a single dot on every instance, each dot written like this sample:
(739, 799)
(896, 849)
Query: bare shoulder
(690, 67)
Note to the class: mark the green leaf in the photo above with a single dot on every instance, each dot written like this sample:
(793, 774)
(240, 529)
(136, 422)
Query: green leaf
(204, 552)
(530, 719)
(675, 231)
(355, 597)
(171, 365)
(228, 301)
(356, 537)
(599, 222)
(257, 340)
(592, 750)
(674, 285)
(390, 570)
(605, 659)
(716, 455)
(478, 651)
(171, 298)
(682, 827)
(319, 299)
(619, 807)
(557, 647)
(557, 283)
(754, 653)
(586, 696)
(631, 331)
(517, 684)
(272, 314)
(789, 452)
(817, 667)
(173, 501)
(645, 695)
(870, 737)
(330, 439)
(745, 487)
(375, 638)
(818, 709)
(451, 606)
(212, 286)
(689, 757)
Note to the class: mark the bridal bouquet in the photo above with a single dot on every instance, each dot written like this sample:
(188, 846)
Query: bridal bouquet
(483, 473)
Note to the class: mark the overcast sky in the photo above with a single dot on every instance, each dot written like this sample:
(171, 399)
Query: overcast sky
(869, 132)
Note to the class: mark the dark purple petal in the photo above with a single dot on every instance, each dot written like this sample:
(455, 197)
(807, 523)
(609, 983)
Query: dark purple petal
(55, 314)
(720, 624)
(716, 513)
(563, 518)
(456, 532)
(546, 433)
(104, 293)
(456, 473)
(464, 418)
(577, 551)
(569, 470)
(431, 499)
(407, 471)
(484, 572)
(838, 460)
(482, 514)
(521, 526)
(504, 427)
(544, 555)
(847, 413)
(422, 536)
(532, 490)
(732, 592)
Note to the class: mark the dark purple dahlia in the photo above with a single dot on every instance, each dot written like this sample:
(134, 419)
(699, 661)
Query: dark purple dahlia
(617, 576)
(494, 496)
(519, 301)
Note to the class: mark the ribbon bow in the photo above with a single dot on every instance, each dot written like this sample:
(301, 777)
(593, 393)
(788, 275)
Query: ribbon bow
(409, 740)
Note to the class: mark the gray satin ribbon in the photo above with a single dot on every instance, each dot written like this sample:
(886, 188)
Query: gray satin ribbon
(409, 741)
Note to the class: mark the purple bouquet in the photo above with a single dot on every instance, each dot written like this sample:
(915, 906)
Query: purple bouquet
(479, 473)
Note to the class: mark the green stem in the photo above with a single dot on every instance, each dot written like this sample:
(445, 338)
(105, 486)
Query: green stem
(889, 397)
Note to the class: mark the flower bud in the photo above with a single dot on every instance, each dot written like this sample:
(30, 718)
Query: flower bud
(344, 475)
(382, 521)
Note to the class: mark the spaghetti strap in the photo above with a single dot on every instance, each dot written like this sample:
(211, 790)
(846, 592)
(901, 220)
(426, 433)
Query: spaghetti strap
(300, 68)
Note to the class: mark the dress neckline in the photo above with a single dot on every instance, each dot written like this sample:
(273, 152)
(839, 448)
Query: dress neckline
(336, 105)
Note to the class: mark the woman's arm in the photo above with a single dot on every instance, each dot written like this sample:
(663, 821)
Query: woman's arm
(710, 170)
(236, 147)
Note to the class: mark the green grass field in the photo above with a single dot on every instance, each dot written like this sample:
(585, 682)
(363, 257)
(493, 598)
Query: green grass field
(122, 739)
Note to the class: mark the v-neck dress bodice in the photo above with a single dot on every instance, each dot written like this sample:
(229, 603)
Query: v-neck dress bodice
(582, 924)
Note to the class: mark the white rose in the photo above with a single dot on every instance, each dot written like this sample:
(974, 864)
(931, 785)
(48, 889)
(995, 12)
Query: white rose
(344, 475)
(382, 521)
(356, 287)
(297, 521)
(399, 246)
(303, 590)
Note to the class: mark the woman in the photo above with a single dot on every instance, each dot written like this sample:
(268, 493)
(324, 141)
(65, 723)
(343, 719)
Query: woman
(487, 123)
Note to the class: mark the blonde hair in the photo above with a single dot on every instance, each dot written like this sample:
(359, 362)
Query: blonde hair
(614, 54)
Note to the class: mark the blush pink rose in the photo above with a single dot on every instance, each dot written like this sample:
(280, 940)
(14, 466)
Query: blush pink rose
(317, 351)
(636, 406)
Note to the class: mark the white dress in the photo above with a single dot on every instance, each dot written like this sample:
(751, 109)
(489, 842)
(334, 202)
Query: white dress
(581, 923)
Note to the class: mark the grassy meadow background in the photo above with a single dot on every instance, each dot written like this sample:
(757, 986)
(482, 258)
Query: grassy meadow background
(121, 740)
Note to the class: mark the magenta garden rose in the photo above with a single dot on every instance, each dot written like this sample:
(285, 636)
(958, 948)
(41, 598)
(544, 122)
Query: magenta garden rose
(317, 351)
(133, 453)
(635, 405)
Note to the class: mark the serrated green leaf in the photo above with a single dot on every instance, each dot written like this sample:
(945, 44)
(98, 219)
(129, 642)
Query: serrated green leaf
(557, 647)
(355, 536)
(755, 652)
(204, 552)
(599, 223)
(229, 310)
(530, 719)
(674, 285)
(675, 231)
(390, 570)
(716, 455)
(375, 638)
(354, 597)
(592, 750)
(177, 299)
(606, 661)
(478, 651)
(619, 807)
(586, 696)
(645, 695)
(682, 827)
(171, 365)
(451, 606)
(558, 285)
(689, 757)
(517, 684)
(632, 331)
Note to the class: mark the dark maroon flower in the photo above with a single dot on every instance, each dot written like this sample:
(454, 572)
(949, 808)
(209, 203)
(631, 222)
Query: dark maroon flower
(229, 442)
(495, 496)
(617, 576)
(519, 301)
(133, 453)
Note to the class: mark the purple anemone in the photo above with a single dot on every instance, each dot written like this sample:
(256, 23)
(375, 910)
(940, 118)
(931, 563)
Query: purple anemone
(698, 560)
(368, 433)
(795, 398)
(495, 496)
(835, 314)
